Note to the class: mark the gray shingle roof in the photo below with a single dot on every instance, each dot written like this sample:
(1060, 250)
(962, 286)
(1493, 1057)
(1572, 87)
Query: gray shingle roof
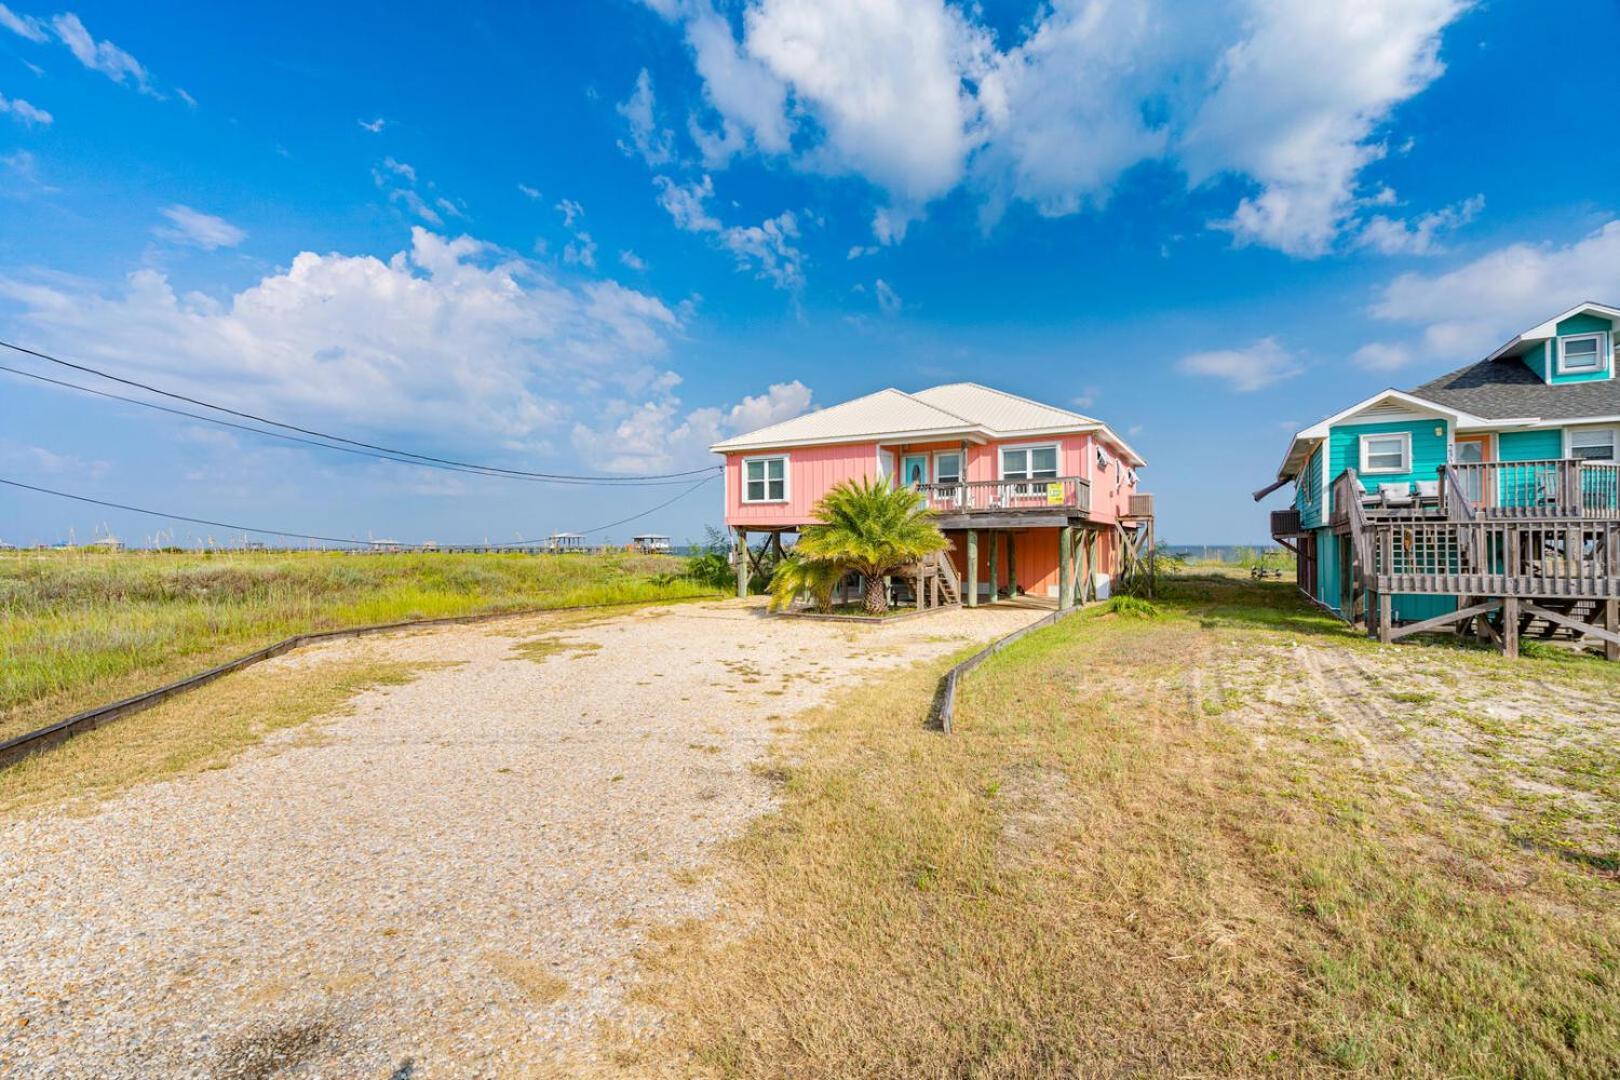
(1506, 389)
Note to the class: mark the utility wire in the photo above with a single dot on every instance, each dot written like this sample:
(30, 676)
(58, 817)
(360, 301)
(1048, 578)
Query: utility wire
(181, 517)
(339, 438)
(479, 470)
(634, 517)
(309, 536)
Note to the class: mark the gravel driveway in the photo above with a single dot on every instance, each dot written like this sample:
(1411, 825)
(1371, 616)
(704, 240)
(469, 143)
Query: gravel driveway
(450, 881)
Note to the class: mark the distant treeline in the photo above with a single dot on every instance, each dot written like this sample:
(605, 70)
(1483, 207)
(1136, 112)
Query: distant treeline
(1226, 553)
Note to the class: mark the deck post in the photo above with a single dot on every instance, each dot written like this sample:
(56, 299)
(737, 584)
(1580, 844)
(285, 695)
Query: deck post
(972, 568)
(1510, 627)
(1153, 562)
(1386, 618)
(1611, 623)
(1065, 558)
(742, 563)
(995, 565)
(1012, 565)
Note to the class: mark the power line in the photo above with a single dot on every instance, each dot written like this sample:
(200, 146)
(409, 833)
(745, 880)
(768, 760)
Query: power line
(339, 438)
(181, 517)
(310, 536)
(375, 455)
(637, 517)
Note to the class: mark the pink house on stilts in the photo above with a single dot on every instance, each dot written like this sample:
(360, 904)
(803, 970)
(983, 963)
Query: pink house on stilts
(1037, 501)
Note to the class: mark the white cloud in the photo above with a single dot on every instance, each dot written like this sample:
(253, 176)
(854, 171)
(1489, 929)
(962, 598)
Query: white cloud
(1394, 236)
(1464, 313)
(750, 100)
(181, 93)
(1381, 356)
(656, 145)
(25, 113)
(884, 80)
(102, 56)
(25, 25)
(1297, 102)
(1244, 370)
(1064, 108)
(415, 204)
(766, 249)
(529, 192)
(581, 250)
(633, 261)
(193, 227)
(656, 435)
(452, 335)
(685, 203)
(888, 300)
(915, 96)
(571, 212)
(373, 126)
(860, 251)
(399, 168)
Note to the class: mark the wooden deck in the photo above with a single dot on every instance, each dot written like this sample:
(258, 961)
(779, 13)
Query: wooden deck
(1515, 543)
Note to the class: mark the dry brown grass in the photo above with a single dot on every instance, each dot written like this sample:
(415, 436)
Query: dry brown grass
(204, 729)
(1128, 862)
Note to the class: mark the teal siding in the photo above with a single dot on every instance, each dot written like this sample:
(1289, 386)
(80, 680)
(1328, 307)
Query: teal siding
(1538, 361)
(1308, 492)
(1576, 324)
(1409, 608)
(1428, 450)
(1327, 568)
(1530, 445)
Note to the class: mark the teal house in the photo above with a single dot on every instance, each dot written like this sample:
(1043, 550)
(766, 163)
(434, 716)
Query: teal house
(1497, 482)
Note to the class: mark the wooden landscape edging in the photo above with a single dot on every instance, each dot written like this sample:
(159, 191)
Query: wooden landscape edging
(945, 698)
(869, 620)
(15, 749)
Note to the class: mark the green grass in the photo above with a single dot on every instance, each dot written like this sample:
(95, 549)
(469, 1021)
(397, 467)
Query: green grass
(1153, 848)
(79, 630)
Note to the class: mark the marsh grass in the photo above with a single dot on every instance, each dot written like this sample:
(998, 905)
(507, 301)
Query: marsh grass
(79, 630)
(1101, 874)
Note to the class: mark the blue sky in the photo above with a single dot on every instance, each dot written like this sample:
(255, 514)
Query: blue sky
(595, 237)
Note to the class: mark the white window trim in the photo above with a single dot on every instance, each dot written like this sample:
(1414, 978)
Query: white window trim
(1569, 441)
(1001, 457)
(1406, 453)
(961, 465)
(1602, 368)
(787, 480)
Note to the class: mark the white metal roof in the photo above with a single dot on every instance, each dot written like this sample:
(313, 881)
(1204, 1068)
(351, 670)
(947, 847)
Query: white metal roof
(885, 414)
(956, 410)
(999, 411)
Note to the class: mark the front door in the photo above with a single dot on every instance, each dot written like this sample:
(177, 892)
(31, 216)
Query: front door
(1472, 450)
(914, 470)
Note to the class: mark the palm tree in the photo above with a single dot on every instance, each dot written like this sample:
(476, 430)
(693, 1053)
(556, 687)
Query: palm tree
(795, 575)
(872, 528)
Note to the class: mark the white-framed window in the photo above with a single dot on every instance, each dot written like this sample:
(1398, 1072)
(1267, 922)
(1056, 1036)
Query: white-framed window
(1029, 462)
(1386, 454)
(765, 479)
(1592, 444)
(1581, 354)
(948, 467)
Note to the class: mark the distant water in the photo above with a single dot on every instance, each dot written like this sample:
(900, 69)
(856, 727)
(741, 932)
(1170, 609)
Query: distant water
(1220, 552)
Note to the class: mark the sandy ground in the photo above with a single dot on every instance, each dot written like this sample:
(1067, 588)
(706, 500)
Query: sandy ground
(451, 881)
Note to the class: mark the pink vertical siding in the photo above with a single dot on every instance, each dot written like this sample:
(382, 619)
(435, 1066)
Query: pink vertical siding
(812, 470)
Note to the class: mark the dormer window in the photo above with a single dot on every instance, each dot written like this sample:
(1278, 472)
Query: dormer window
(1582, 354)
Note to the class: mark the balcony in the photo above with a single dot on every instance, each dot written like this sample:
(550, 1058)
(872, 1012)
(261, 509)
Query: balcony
(1068, 495)
(1561, 488)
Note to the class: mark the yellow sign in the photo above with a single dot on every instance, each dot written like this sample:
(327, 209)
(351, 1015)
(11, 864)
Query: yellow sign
(1054, 494)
